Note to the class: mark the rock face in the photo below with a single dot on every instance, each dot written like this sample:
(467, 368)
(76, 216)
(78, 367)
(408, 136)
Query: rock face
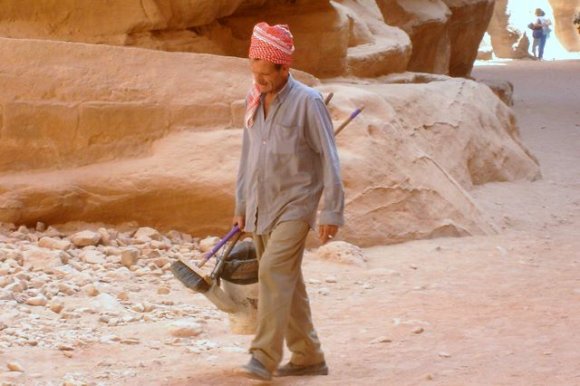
(564, 12)
(467, 25)
(160, 146)
(334, 38)
(445, 34)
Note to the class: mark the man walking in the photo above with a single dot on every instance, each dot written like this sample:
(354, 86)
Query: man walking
(288, 161)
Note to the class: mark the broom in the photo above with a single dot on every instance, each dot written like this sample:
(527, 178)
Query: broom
(191, 276)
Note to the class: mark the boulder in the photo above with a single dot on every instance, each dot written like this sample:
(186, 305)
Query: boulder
(407, 170)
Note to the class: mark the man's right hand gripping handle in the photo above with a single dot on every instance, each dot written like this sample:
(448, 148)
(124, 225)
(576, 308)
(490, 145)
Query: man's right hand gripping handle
(240, 221)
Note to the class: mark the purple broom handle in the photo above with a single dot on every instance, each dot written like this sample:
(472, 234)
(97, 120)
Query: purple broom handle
(355, 113)
(350, 118)
(222, 242)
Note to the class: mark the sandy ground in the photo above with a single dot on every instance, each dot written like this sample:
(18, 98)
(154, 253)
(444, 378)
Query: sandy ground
(494, 310)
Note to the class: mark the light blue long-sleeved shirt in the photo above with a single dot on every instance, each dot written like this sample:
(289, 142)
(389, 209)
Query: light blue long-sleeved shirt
(288, 159)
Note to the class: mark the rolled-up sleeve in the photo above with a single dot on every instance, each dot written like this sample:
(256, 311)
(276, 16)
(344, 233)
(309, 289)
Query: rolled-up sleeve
(321, 137)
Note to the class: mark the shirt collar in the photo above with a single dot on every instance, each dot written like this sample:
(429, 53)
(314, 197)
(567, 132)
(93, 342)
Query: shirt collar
(286, 89)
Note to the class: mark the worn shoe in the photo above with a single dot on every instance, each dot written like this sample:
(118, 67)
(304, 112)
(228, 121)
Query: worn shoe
(256, 370)
(290, 369)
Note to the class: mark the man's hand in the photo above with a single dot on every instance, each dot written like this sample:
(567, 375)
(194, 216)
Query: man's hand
(327, 232)
(240, 221)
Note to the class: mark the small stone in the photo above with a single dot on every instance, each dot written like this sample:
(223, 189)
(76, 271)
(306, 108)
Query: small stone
(91, 290)
(92, 256)
(381, 339)
(330, 279)
(160, 262)
(413, 266)
(15, 366)
(53, 243)
(129, 257)
(185, 328)
(56, 306)
(146, 233)
(106, 237)
(139, 307)
(324, 291)
(85, 238)
(163, 291)
(418, 330)
(65, 347)
(444, 354)
(38, 300)
(123, 296)
(130, 341)
(208, 243)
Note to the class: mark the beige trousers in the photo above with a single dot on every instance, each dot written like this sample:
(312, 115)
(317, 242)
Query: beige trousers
(283, 306)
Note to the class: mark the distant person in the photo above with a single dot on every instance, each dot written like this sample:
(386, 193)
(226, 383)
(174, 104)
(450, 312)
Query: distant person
(540, 32)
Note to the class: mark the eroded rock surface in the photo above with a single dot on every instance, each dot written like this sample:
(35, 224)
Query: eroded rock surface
(163, 150)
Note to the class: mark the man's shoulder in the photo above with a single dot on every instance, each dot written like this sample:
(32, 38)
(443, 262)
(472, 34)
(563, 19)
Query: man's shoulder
(304, 91)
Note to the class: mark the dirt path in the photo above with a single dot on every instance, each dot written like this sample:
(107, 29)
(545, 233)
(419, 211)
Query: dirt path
(496, 310)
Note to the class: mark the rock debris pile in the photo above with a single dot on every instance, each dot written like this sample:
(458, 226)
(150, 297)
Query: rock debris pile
(53, 284)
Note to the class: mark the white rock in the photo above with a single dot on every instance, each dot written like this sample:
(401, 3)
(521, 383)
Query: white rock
(6, 295)
(38, 300)
(208, 243)
(53, 243)
(85, 238)
(381, 339)
(92, 256)
(118, 274)
(185, 328)
(324, 291)
(105, 302)
(129, 257)
(41, 258)
(106, 237)
(146, 233)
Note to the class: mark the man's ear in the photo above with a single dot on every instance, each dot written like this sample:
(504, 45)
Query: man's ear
(285, 69)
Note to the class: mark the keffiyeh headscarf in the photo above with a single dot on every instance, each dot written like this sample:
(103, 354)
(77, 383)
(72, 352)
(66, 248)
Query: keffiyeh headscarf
(274, 44)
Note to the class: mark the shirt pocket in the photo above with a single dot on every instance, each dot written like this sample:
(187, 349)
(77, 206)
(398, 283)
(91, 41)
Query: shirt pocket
(285, 139)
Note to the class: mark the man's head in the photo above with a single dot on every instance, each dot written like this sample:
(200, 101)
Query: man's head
(539, 12)
(270, 56)
(269, 77)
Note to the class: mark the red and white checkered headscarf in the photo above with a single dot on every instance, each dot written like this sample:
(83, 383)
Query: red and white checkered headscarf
(275, 44)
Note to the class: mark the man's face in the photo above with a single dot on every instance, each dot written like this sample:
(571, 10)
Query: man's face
(267, 76)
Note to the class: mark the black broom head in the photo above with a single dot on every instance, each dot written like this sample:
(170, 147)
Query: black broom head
(189, 277)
